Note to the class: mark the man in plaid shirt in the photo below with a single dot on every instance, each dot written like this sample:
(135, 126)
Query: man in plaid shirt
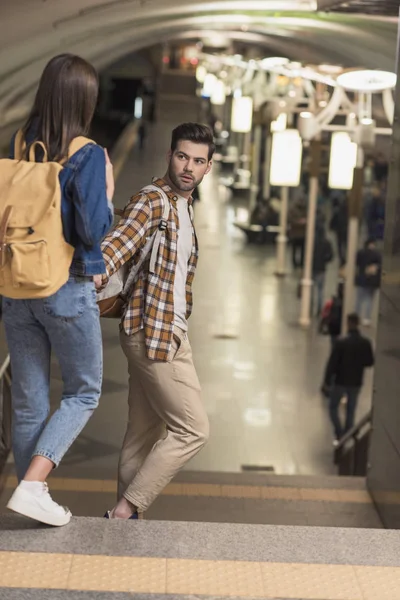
(167, 422)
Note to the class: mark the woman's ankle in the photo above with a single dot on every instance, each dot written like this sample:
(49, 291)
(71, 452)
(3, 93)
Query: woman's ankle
(39, 469)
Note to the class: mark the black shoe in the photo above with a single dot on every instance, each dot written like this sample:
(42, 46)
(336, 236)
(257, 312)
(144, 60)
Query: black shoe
(133, 516)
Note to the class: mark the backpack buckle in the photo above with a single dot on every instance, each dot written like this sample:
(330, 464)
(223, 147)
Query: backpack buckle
(163, 225)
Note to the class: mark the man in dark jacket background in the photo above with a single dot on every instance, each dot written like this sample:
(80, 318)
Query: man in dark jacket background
(368, 278)
(350, 356)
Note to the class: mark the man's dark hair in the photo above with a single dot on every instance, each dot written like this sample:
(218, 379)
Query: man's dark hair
(196, 133)
(353, 321)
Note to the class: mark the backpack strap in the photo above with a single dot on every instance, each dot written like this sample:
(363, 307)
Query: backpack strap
(19, 145)
(32, 151)
(160, 231)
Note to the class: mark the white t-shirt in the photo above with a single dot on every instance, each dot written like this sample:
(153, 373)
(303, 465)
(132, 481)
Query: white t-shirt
(184, 251)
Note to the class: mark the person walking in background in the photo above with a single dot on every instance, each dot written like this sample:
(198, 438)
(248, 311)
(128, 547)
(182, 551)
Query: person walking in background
(338, 225)
(66, 322)
(344, 373)
(376, 216)
(368, 277)
(322, 255)
(297, 220)
(142, 134)
(331, 320)
(381, 168)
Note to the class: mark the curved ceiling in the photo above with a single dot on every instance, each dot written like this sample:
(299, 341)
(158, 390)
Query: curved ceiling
(105, 30)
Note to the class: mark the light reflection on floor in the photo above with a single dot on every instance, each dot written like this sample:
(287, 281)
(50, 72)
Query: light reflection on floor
(261, 386)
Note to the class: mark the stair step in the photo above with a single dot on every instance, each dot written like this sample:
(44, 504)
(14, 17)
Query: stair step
(231, 498)
(204, 541)
(217, 509)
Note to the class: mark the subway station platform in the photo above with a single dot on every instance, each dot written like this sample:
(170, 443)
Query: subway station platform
(261, 512)
(260, 372)
(292, 531)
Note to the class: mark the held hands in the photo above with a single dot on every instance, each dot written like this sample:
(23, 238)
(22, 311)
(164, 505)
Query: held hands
(110, 186)
(97, 281)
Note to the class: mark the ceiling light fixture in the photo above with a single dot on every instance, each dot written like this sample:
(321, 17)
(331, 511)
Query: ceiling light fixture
(367, 81)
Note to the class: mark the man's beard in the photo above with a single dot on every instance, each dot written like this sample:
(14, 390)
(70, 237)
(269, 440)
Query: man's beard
(181, 185)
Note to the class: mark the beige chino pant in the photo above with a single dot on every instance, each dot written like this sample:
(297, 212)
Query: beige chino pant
(167, 423)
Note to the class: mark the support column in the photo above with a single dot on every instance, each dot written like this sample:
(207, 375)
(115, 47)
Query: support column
(255, 167)
(281, 241)
(307, 281)
(267, 166)
(355, 198)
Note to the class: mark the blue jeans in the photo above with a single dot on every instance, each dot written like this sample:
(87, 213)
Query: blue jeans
(337, 393)
(68, 324)
(365, 297)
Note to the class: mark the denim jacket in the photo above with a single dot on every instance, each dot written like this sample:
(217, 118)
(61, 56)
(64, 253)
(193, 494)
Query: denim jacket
(86, 213)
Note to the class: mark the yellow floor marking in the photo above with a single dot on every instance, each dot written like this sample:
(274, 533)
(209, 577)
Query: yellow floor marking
(222, 578)
(208, 489)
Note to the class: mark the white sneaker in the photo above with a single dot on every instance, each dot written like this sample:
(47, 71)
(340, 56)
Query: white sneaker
(40, 507)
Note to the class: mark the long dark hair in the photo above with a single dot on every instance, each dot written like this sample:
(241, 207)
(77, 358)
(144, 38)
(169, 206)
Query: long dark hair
(64, 104)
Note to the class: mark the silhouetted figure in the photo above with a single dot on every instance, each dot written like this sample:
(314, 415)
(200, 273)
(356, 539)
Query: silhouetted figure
(331, 320)
(381, 167)
(323, 254)
(297, 232)
(376, 217)
(368, 278)
(350, 356)
(338, 225)
(142, 133)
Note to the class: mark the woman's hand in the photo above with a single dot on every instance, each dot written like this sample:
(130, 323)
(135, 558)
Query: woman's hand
(110, 185)
(97, 279)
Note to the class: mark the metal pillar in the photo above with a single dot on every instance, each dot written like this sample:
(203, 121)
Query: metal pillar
(255, 167)
(281, 241)
(267, 166)
(355, 198)
(307, 281)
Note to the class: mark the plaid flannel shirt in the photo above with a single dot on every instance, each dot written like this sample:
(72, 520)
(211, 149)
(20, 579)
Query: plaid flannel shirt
(151, 305)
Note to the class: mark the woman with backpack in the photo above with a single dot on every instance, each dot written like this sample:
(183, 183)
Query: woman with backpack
(51, 307)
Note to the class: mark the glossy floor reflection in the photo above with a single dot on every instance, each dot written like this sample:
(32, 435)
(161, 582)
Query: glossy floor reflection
(261, 386)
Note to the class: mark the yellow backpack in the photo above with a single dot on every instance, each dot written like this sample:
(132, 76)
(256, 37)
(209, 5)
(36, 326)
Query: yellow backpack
(34, 257)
